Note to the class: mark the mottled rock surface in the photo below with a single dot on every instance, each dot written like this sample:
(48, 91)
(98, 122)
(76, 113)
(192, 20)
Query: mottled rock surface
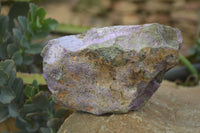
(110, 69)
(172, 109)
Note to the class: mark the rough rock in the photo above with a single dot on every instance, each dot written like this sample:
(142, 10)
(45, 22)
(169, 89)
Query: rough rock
(110, 69)
(173, 109)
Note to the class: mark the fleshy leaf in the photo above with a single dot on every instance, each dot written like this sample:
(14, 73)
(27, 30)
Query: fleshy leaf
(29, 108)
(18, 89)
(6, 95)
(3, 25)
(33, 127)
(3, 51)
(12, 78)
(17, 34)
(12, 48)
(4, 114)
(25, 43)
(7, 66)
(13, 110)
(35, 48)
(41, 100)
(38, 24)
(3, 78)
(45, 130)
(50, 24)
(41, 13)
(17, 57)
(29, 91)
(23, 22)
(33, 9)
(27, 60)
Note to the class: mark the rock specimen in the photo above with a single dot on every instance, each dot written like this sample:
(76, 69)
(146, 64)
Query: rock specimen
(172, 109)
(110, 69)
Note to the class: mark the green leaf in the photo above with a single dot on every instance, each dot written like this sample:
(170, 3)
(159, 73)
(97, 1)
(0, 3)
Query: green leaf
(23, 22)
(25, 43)
(12, 78)
(17, 34)
(29, 108)
(35, 84)
(17, 57)
(30, 29)
(7, 95)
(12, 48)
(19, 91)
(4, 114)
(38, 25)
(39, 34)
(27, 60)
(21, 123)
(49, 24)
(29, 91)
(7, 66)
(33, 127)
(13, 110)
(45, 130)
(21, 131)
(35, 48)
(33, 9)
(3, 51)
(7, 38)
(41, 13)
(3, 78)
(41, 100)
(17, 9)
(3, 25)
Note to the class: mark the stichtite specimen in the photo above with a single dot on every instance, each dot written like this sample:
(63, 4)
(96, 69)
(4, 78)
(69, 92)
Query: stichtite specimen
(110, 69)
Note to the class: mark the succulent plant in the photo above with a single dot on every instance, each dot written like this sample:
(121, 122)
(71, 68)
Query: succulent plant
(32, 108)
(38, 114)
(22, 44)
(11, 91)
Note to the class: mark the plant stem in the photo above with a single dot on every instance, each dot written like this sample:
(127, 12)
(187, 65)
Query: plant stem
(189, 66)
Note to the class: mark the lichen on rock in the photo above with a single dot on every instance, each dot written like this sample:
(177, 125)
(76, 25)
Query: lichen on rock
(110, 69)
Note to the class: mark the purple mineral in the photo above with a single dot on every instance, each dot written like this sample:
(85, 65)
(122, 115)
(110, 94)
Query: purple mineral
(112, 69)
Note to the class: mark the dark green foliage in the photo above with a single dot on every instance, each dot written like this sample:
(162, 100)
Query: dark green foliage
(32, 108)
(35, 112)
(17, 9)
(10, 91)
(21, 43)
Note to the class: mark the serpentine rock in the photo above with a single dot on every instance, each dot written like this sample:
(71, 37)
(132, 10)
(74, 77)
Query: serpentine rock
(112, 69)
